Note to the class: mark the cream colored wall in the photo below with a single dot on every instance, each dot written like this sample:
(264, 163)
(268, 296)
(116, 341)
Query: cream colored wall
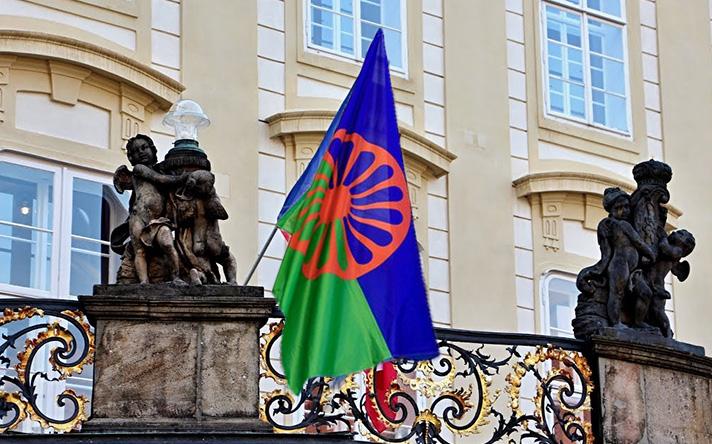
(685, 67)
(482, 240)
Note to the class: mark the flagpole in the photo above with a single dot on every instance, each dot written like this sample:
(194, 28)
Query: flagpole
(259, 256)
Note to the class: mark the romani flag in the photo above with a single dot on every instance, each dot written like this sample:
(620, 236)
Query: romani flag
(351, 284)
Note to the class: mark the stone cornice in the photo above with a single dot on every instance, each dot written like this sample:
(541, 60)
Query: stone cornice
(576, 182)
(164, 89)
(308, 123)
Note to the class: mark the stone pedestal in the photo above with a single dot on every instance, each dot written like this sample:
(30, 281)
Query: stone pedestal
(172, 358)
(653, 394)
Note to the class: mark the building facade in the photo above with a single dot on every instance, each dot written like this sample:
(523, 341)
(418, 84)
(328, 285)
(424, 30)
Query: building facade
(515, 115)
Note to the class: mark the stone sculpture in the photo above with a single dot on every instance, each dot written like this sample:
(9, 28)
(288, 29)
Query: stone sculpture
(172, 233)
(625, 291)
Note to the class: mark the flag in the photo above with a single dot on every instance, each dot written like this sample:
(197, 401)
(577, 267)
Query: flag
(379, 408)
(351, 284)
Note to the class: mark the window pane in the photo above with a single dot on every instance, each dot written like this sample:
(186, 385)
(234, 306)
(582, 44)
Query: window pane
(88, 267)
(612, 7)
(605, 39)
(393, 47)
(576, 101)
(26, 196)
(562, 302)
(614, 75)
(392, 14)
(346, 7)
(96, 210)
(322, 29)
(556, 95)
(574, 64)
(610, 110)
(563, 26)
(25, 257)
(367, 33)
(347, 35)
(371, 11)
(329, 4)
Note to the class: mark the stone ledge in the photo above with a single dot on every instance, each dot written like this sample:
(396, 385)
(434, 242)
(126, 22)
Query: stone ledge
(178, 438)
(145, 426)
(653, 355)
(168, 302)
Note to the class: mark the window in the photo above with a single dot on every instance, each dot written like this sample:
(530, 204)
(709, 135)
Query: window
(559, 297)
(54, 229)
(346, 27)
(585, 62)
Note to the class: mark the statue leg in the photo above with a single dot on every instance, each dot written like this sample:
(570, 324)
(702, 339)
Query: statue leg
(643, 296)
(618, 280)
(229, 264)
(140, 262)
(165, 241)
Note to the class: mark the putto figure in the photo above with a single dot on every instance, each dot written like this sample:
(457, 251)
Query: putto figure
(161, 203)
(625, 290)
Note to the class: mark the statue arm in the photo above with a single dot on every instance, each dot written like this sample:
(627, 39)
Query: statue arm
(637, 240)
(123, 179)
(214, 208)
(681, 270)
(155, 177)
(668, 249)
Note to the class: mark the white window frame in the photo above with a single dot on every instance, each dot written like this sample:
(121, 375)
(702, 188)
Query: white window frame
(61, 225)
(544, 291)
(585, 13)
(357, 57)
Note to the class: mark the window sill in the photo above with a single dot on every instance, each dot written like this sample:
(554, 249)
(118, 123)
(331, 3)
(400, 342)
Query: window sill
(589, 138)
(324, 60)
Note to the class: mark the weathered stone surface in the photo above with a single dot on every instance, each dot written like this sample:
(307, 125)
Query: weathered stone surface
(172, 359)
(145, 369)
(653, 395)
(624, 414)
(678, 407)
(226, 375)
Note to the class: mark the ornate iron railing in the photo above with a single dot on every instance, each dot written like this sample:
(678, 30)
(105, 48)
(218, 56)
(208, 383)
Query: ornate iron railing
(42, 345)
(495, 387)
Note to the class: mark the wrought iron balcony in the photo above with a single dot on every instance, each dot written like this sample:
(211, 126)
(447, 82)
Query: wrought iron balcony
(493, 387)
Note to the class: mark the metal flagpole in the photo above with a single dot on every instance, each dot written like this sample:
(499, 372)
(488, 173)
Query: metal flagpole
(259, 256)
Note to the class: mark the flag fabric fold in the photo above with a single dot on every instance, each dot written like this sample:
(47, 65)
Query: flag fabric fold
(351, 285)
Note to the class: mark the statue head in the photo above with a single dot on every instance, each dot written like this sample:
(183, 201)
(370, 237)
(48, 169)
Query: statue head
(652, 173)
(140, 149)
(616, 202)
(200, 183)
(684, 240)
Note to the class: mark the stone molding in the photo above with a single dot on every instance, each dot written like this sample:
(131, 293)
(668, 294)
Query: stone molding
(295, 127)
(162, 88)
(177, 303)
(572, 182)
(653, 355)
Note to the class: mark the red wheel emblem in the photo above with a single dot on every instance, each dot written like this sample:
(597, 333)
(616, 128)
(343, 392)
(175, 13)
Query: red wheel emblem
(356, 213)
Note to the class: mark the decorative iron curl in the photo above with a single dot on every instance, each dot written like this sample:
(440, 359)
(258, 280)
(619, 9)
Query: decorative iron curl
(71, 350)
(451, 394)
(556, 398)
(315, 403)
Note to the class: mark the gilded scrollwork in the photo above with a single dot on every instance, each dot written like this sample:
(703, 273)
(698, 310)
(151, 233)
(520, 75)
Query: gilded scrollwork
(456, 394)
(69, 342)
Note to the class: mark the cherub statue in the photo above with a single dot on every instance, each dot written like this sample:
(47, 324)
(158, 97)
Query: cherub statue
(621, 247)
(147, 224)
(197, 210)
(651, 293)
